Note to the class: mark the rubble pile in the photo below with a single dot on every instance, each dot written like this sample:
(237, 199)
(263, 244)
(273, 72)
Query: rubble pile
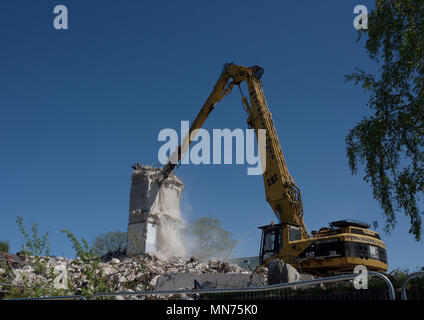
(136, 273)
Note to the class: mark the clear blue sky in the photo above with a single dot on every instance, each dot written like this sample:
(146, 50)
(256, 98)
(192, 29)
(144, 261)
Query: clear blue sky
(78, 107)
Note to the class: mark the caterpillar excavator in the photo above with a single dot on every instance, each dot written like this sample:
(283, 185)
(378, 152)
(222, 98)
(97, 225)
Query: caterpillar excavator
(331, 250)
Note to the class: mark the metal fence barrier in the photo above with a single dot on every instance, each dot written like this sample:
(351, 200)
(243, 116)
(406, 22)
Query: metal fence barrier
(269, 288)
(392, 295)
(405, 282)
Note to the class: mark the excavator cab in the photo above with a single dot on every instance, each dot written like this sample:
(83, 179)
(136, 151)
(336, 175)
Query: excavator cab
(272, 239)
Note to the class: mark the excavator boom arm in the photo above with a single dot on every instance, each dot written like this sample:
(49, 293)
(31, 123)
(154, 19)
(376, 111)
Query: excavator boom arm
(220, 90)
(281, 192)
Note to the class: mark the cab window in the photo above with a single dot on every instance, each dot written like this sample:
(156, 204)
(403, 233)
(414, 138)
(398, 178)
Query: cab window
(271, 244)
(295, 233)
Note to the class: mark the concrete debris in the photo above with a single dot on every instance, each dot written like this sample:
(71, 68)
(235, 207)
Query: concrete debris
(140, 273)
(11, 259)
(174, 281)
(282, 272)
(279, 271)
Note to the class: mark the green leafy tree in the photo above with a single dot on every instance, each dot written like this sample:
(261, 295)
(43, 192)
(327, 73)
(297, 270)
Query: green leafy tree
(110, 242)
(389, 143)
(209, 238)
(4, 246)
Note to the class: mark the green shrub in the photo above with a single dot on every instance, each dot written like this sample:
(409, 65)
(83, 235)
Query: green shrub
(4, 246)
(35, 245)
(96, 281)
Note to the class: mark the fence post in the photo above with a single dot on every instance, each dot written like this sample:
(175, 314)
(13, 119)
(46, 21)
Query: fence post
(405, 281)
(388, 282)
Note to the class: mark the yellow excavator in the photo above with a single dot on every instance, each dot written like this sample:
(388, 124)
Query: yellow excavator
(331, 250)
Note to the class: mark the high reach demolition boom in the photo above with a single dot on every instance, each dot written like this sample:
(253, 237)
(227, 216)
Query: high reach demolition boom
(280, 189)
(339, 248)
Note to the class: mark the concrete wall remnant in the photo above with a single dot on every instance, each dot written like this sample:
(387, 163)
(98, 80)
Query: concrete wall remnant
(154, 215)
